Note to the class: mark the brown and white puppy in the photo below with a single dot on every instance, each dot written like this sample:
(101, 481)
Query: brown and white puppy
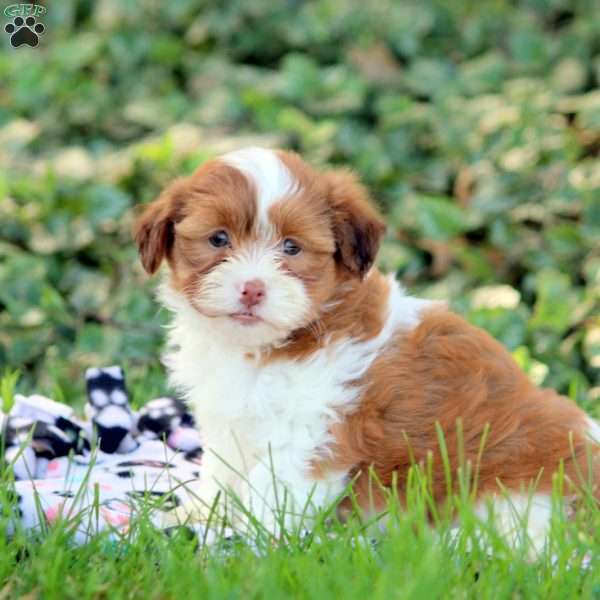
(307, 368)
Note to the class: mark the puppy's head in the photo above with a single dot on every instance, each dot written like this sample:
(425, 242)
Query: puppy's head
(260, 242)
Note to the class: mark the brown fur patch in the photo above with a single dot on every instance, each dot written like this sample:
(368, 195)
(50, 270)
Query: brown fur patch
(356, 310)
(356, 226)
(179, 224)
(305, 218)
(339, 231)
(219, 197)
(446, 371)
(153, 231)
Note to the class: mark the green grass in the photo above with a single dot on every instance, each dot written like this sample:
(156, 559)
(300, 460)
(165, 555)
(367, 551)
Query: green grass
(475, 125)
(410, 558)
(420, 553)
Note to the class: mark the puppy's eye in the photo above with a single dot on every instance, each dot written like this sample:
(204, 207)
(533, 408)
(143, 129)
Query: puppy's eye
(290, 247)
(219, 239)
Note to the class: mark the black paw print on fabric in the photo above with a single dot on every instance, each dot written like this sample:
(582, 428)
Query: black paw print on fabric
(162, 416)
(24, 31)
(108, 408)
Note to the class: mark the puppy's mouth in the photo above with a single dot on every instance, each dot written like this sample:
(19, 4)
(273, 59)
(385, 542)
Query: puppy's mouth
(246, 318)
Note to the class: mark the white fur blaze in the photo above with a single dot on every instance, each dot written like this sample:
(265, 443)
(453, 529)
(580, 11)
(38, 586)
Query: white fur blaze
(270, 176)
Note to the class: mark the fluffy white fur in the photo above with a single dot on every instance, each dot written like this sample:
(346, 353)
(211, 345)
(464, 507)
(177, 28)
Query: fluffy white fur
(286, 302)
(517, 513)
(519, 518)
(266, 423)
(593, 431)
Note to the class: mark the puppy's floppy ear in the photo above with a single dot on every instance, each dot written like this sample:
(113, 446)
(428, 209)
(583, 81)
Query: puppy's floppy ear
(154, 231)
(357, 226)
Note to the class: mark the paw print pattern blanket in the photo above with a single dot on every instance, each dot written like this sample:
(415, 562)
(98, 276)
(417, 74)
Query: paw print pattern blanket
(96, 472)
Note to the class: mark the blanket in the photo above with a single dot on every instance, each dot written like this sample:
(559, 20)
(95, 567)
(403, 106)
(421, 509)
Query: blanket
(100, 470)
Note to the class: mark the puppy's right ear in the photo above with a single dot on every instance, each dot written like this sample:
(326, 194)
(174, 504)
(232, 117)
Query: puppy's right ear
(154, 230)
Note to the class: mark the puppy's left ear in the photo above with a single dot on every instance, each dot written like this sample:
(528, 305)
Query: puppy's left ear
(357, 226)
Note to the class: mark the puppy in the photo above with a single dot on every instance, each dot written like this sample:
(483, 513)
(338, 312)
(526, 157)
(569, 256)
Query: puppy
(308, 369)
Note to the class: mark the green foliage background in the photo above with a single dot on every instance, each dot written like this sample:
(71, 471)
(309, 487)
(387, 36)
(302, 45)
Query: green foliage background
(475, 124)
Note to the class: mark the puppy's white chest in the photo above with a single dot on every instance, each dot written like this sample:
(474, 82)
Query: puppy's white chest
(283, 405)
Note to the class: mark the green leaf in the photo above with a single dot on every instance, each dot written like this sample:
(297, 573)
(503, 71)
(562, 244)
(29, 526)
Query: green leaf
(438, 218)
(105, 204)
(554, 303)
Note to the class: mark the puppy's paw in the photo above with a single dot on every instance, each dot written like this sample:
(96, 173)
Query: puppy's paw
(184, 515)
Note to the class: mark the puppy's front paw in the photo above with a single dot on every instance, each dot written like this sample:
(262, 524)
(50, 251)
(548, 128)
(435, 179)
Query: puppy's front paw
(187, 514)
(194, 512)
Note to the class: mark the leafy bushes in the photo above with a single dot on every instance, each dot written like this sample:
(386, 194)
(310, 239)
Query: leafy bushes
(476, 126)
